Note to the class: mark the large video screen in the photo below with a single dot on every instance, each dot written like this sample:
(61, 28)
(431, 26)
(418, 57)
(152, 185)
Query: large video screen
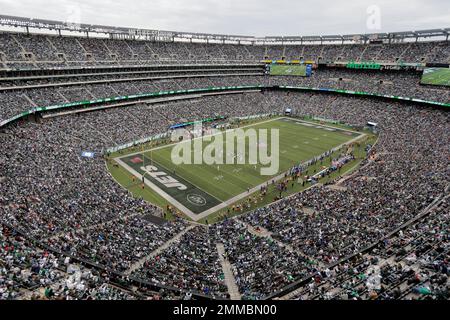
(436, 76)
(288, 70)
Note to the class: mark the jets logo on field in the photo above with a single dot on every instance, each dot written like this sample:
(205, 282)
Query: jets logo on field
(196, 199)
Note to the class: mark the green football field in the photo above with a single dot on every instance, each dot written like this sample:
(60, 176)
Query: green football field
(200, 189)
(436, 76)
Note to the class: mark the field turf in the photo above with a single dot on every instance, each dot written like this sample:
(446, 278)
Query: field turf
(208, 186)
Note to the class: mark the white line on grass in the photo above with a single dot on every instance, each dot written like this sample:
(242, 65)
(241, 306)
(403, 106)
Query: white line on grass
(202, 137)
(159, 191)
(234, 199)
(189, 181)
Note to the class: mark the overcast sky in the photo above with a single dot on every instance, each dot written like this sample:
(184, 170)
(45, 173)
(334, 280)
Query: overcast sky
(244, 17)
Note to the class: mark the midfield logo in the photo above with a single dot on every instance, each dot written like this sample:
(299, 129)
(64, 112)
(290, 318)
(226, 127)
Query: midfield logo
(196, 199)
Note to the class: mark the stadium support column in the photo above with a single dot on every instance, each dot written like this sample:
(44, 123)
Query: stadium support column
(34, 116)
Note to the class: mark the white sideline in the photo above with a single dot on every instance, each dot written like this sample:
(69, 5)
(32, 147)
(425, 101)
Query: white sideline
(224, 204)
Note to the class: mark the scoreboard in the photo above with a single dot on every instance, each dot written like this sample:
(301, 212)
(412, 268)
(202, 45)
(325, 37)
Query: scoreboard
(290, 70)
(436, 76)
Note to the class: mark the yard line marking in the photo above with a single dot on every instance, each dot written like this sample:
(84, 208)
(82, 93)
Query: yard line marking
(202, 137)
(158, 190)
(159, 164)
(222, 204)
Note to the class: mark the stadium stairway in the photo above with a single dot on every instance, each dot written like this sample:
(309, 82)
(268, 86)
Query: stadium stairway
(230, 281)
(166, 245)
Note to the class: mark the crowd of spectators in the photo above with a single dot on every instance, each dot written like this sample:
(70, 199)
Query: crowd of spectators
(260, 264)
(45, 51)
(28, 272)
(191, 263)
(71, 203)
(15, 100)
(410, 264)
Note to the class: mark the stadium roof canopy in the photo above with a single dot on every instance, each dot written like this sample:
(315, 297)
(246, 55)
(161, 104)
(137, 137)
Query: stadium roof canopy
(161, 35)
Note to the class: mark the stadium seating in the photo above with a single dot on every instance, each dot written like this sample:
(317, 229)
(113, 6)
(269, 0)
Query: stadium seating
(60, 212)
(39, 51)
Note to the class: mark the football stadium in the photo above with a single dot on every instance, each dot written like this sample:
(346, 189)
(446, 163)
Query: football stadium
(145, 164)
